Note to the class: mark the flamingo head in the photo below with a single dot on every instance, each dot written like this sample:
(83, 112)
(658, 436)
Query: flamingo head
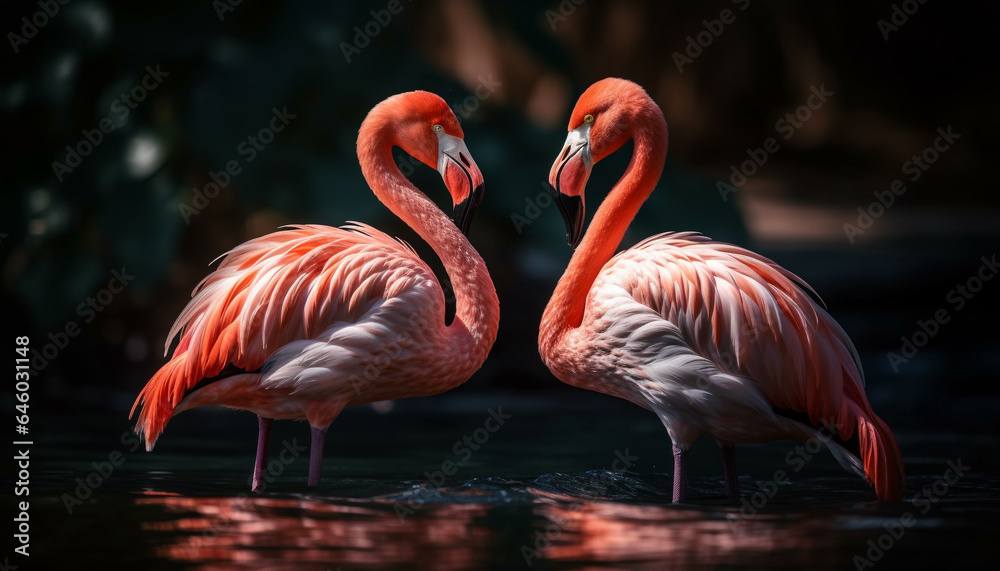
(605, 118)
(427, 129)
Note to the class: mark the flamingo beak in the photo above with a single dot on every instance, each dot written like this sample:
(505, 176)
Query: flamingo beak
(568, 179)
(462, 177)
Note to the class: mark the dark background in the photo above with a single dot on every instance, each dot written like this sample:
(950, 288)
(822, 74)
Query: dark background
(120, 208)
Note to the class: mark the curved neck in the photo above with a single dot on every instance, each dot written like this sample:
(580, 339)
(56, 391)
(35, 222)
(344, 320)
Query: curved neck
(566, 307)
(477, 310)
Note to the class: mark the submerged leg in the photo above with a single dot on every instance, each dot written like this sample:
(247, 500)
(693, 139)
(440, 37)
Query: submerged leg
(316, 454)
(680, 473)
(729, 469)
(263, 440)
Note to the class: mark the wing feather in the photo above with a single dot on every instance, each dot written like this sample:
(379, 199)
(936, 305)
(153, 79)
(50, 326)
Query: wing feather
(272, 291)
(749, 316)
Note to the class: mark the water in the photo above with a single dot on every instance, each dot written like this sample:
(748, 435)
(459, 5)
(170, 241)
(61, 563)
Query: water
(587, 487)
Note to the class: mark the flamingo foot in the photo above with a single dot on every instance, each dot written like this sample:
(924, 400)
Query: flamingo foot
(316, 454)
(680, 473)
(729, 469)
(263, 440)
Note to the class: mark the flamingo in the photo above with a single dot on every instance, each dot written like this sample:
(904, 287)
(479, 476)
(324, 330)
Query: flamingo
(716, 340)
(302, 323)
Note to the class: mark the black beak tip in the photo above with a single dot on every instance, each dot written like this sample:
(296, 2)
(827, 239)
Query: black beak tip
(571, 208)
(573, 239)
(465, 210)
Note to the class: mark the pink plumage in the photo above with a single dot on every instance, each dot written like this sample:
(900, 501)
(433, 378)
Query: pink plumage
(716, 340)
(301, 323)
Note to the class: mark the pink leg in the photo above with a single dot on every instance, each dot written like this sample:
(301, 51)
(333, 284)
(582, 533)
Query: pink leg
(263, 440)
(729, 468)
(316, 454)
(680, 473)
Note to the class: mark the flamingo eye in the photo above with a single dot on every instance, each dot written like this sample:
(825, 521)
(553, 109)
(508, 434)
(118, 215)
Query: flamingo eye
(588, 118)
(437, 128)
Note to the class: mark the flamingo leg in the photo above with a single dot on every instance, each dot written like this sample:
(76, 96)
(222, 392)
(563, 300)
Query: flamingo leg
(729, 469)
(263, 440)
(316, 454)
(680, 473)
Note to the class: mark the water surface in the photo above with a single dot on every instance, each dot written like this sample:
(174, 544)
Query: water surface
(587, 487)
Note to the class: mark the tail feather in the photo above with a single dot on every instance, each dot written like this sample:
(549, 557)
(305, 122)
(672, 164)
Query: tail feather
(159, 398)
(880, 455)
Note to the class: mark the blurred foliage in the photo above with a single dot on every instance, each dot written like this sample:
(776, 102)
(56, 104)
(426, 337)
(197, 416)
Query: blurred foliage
(121, 206)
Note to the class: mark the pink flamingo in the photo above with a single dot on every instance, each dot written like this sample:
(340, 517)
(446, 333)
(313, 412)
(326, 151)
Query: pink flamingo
(716, 340)
(302, 323)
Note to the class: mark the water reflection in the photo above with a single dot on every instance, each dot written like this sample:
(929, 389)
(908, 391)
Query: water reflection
(254, 531)
(680, 538)
(473, 532)
(150, 515)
